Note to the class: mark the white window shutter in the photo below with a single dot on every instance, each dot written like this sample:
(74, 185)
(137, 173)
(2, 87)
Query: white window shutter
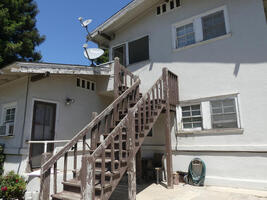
(179, 118)
(198, 29)
(206, 115)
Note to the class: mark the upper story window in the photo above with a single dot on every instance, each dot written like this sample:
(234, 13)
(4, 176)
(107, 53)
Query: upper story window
(265, 8)
(185, 35)
(207, 26)
(86, 84)
(8, 120)
(210, 113)
(138, 50)
(168, 6)
(120, 52)
(213, 25)
(133, 51)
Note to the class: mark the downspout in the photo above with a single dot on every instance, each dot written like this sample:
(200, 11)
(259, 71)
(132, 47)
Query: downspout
(24, 120)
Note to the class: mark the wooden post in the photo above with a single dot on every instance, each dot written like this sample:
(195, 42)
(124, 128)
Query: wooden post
(167, 130)
(116, 77)
(93, 133)
(139, 166)
(131, 170)
(87, 178)
(45, 178)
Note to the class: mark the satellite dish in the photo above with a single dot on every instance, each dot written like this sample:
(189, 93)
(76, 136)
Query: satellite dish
(86, 22)
(92, 54)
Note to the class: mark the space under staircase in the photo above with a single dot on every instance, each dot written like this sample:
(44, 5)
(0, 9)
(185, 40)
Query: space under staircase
(116, 135)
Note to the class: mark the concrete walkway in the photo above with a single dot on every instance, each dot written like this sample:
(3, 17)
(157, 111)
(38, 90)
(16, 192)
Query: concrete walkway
(187, 192)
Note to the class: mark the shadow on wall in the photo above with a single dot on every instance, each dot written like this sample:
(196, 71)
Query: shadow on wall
(235, 49)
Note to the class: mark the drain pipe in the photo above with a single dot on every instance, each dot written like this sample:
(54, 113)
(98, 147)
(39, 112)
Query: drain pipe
(24, 120)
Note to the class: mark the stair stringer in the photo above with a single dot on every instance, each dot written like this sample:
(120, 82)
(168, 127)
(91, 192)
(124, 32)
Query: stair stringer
(141, 141)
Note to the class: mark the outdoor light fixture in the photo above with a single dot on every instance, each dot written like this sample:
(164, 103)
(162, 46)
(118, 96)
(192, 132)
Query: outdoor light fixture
(69, 101)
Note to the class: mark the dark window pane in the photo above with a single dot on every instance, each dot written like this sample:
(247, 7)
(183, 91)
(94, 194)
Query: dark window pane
(187, 126)
(88, 85)
(83, 83)
(195, 107)
(120, 53)
(93, 86)
(171, 5)
(78, 82)
(164, 8)
(158, 10)
(139, 50)
(213, 25)
(178, 3)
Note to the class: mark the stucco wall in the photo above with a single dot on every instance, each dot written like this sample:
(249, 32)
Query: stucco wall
(69, 118)
(234, 64)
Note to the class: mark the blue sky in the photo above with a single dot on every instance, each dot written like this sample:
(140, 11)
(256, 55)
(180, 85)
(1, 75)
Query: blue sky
(58, 21)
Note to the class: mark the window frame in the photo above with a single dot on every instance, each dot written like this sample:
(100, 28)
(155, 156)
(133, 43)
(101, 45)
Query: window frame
(126, 43)
(198, 28)
(206, 113)
(223, 113)
(191, 116)
(79, 84)
(177, 37)
(6, 107)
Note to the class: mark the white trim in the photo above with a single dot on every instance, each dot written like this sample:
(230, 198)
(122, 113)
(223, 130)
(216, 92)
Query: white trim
(197, 23)
(206, 121)
(205, 109)
(32, 109)
(6, 106)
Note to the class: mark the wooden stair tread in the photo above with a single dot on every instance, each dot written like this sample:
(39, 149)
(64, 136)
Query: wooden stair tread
(109, 160)
(66, 195)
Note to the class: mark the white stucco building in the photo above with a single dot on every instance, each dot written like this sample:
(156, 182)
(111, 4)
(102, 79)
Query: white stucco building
(218, 49)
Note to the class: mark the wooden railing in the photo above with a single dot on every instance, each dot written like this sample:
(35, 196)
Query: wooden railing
(141, 115)
(123, 77)
(101, 125)
(173, 88)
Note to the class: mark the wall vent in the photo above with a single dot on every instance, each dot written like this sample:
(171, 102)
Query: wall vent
(168, 6)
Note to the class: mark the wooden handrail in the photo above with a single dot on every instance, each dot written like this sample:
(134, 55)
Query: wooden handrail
(87, 128)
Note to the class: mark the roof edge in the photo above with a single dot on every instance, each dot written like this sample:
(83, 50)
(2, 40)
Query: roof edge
(133, 4)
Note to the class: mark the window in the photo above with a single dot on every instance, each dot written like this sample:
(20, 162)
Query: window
(139, 50)
(213, 25)
(224, 113)
(164, 8)
(200, 28)
(168, 6)
(185, 35)
(265, 8)
(158, 10)
(178, 3)
(120, 52)
(220, 113)
(191, 117)
(85, 84)
(171, 5)
(8, 120)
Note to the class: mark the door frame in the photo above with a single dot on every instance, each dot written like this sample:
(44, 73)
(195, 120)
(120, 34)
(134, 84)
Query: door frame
(34, 101)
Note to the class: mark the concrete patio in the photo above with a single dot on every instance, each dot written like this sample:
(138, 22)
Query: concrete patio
(187, 192)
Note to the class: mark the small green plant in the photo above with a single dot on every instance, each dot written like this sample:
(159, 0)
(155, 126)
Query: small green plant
(2, 159)
(12, 186)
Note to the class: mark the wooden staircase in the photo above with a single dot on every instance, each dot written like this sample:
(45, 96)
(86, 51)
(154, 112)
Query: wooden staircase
(116, 136)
